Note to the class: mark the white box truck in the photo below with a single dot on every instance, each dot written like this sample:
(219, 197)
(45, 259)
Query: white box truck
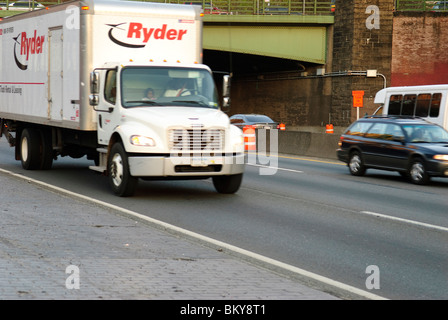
(122, 83)
(429, 102)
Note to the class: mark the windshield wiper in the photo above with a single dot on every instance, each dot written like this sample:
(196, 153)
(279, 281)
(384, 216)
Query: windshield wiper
(141, 101)
(200, 103)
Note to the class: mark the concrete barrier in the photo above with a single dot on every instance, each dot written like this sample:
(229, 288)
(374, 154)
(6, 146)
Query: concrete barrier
(311, 144)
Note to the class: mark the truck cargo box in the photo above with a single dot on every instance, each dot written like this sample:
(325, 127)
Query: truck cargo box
(47, 55)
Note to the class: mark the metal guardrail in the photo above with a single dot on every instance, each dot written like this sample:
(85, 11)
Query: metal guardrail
(279, 7)
(261, 7)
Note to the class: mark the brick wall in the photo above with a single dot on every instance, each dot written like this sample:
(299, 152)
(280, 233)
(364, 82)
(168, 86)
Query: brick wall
(420, 49)
(359, 48)
(295, 102)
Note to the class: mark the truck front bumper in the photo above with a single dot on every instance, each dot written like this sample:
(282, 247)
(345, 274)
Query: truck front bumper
(201, 165)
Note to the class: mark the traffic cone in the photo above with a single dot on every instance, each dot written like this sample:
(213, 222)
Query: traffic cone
(249, 138)
(282, 127)
(329, 129)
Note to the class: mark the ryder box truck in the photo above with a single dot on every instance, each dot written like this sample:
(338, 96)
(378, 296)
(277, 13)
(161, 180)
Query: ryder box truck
(122, 83)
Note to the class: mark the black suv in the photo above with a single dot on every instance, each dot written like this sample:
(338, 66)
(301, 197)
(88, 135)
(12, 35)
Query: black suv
(414, 147)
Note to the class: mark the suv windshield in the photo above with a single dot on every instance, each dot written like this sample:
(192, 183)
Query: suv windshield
(166, 86)
(426, 134)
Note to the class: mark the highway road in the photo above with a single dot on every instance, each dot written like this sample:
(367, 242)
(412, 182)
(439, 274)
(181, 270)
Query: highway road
(378, 233)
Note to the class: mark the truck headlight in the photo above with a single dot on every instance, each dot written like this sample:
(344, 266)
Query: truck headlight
(142, 141)
(443, 157)
(238, 141)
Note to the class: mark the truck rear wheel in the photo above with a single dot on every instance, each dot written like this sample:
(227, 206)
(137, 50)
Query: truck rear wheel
(120, 179)
(30, 149)
(227, 184)
(46, 150)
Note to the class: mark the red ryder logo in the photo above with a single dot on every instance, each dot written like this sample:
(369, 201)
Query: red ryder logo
(32, 45)
(137, 31)
(28, 46)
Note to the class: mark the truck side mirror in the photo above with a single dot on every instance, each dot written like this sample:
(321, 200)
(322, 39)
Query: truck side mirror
(226, 92)
(94, 82)
(94, 88)
(94, 99)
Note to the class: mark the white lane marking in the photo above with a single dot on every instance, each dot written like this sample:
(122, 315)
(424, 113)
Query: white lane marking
(329, 161)
(274, 168)
(421, 224)
(222, 245)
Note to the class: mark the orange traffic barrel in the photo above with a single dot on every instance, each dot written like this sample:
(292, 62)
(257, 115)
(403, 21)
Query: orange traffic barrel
(282, 127)
(329, 129)
(249, 138)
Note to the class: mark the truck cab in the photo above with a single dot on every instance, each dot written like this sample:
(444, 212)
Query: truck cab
(163, 121)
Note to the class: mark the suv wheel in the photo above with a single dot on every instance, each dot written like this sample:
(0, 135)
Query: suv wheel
(417, 172)
(356, 165)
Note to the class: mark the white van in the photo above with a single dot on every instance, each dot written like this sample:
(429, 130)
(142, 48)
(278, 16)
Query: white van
(428, 102)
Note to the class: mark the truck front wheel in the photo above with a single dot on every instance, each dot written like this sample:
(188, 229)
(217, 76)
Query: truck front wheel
(227, 184)
(120, 179)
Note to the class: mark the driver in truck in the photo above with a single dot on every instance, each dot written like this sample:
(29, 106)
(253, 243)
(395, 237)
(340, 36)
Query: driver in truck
(149, 95)
(177, 88)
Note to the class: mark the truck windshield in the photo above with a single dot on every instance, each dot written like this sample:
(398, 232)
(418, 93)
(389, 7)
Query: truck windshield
(167, 86)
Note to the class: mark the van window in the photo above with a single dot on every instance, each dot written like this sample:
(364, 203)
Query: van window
(393, 132)
(395, 105)
(435, 105)
(385, 131)
(408, 106)
(358, 128)
(423, 103)
(378, 131)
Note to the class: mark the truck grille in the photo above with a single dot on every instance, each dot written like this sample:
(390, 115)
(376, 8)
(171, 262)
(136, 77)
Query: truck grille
(196, 140)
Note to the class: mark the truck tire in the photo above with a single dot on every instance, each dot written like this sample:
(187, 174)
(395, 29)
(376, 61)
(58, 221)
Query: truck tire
(227, 184)
(47, 150)
(120, 179)
(30, 149)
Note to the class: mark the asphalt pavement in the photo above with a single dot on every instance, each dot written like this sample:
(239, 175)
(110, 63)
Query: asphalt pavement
(56, 246)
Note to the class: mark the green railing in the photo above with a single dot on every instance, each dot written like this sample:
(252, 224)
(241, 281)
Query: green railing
(421, 5)
(280, 7)
(247, 7)
(262, 7)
